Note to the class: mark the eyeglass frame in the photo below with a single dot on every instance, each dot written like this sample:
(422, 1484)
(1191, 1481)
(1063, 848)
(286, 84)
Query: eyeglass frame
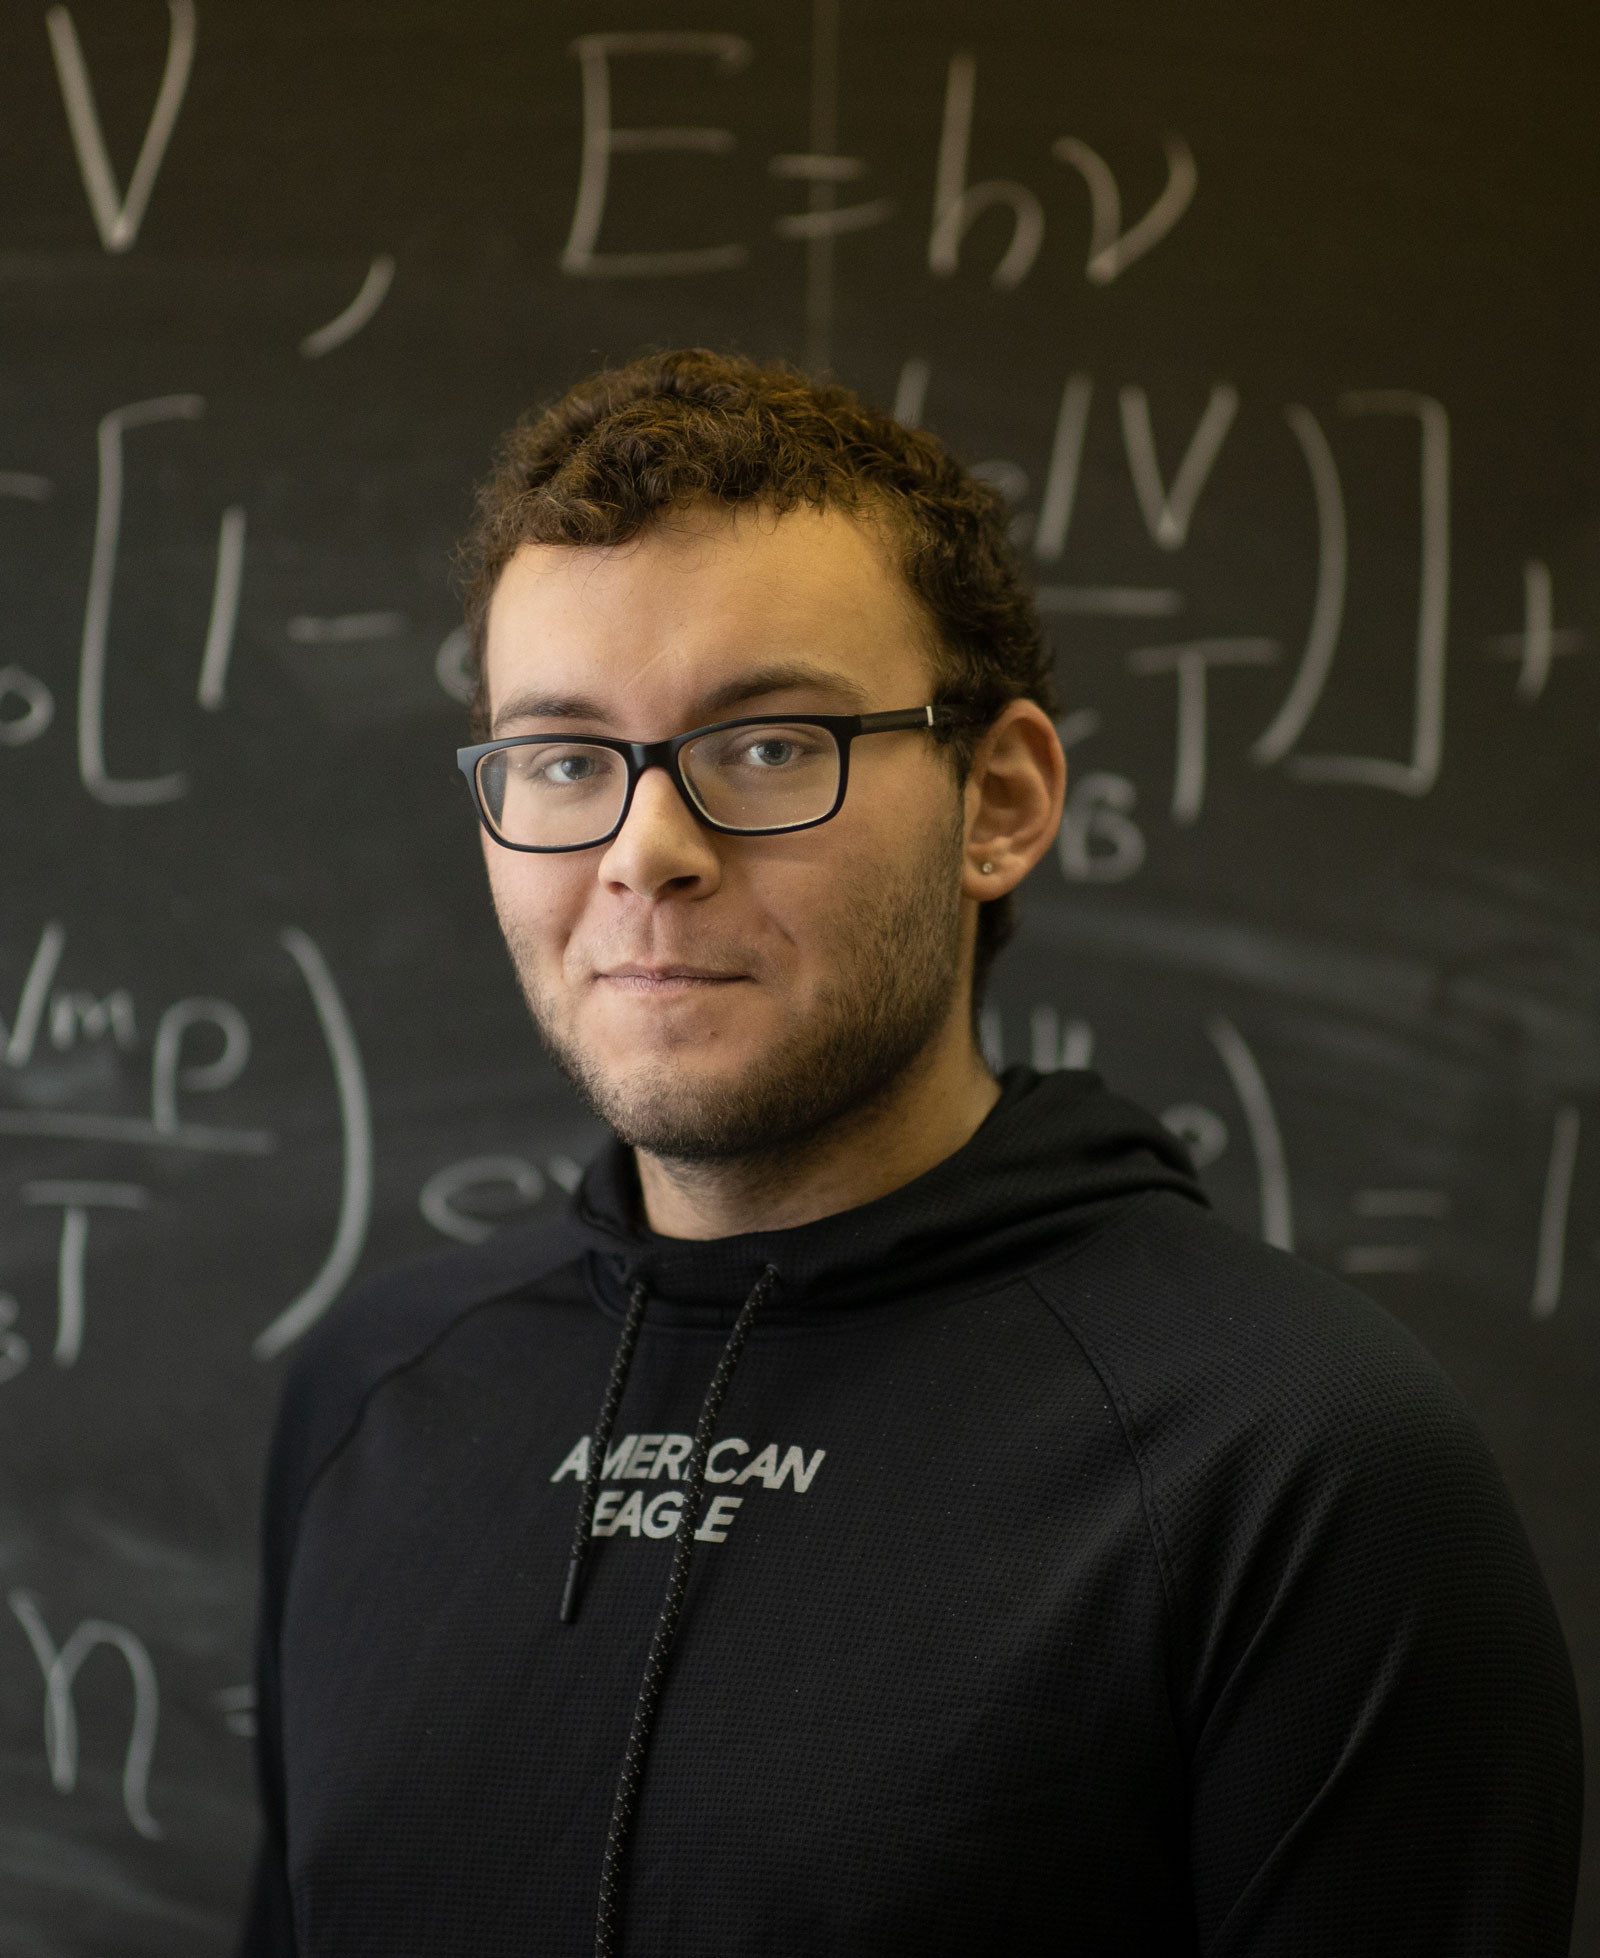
(637, 756)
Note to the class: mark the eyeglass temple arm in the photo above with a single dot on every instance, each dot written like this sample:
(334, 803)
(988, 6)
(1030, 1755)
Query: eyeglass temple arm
(911, 717)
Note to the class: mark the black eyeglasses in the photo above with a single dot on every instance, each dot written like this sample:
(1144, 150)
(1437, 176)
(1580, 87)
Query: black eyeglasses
(756, 777)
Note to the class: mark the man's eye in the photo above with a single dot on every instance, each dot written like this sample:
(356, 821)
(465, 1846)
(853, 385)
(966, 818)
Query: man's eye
(772, 753)
(567, 769)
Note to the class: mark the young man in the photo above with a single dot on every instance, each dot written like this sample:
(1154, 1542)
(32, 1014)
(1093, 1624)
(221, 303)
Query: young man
(977, 1547)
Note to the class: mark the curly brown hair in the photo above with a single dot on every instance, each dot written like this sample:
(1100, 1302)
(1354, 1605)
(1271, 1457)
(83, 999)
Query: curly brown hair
(630, 443)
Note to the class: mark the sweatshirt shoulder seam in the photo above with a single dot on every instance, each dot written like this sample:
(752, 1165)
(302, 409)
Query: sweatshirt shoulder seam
(381, 1380)
(1125, 1421)
(1106, 1375)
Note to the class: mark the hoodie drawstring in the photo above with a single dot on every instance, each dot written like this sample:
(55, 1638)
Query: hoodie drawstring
(621, 1361)
(655, 1666)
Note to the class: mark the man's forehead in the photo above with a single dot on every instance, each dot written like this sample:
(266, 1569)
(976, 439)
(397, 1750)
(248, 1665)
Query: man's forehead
(713, 609)
(743, 686)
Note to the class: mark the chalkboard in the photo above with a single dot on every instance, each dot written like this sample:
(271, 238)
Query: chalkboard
(1275, 323)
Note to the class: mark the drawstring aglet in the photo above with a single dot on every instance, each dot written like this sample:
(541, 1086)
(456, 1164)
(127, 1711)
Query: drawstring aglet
(569, 1594)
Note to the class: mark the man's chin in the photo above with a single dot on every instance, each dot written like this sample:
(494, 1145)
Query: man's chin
(682, 1108)
(751, 1101)
(705, 1035)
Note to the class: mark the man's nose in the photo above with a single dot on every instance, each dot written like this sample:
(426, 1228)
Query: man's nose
(662, 847)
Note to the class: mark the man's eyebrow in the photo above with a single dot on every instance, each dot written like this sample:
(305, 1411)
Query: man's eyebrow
(548, 707)
(791, 678)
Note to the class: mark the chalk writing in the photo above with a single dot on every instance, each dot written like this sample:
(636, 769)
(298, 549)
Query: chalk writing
(80, 1016)
(1053, 1044)
(911, 391)
(1201, 1130)
(1167, 512)
(14, 1349)
(1066, 460)
(17, 1050)
(1540, 641)
(345, 325)
(1362, 1260)
(1099, 842)
(1077, 1044)
(1111, 249)
(38, 707)
(1550, 1264)
(61, 1668)
(150, 789)
(564, 1173)
(211, 688)
(957, 204)
(75, 1201)
(97, 607)
(165, 1073)
(1261, 1122)
(74, 1015)
(1424, 969)
(1191, 663)
(1370, 1260)
(1327, 606)
(355, 1118)
(118, 219)
(345, 628)
(1049, 531)
(452, 666)
(1162, 509)
(440, 1195)
(1401, 1203)
(1110, 601)
(1007, 479)
(1056, 1046)
(202, 1137)
(1417, 775)
(1079, 725)
(602, 141)
(824, 219)
(237, 1705)
(819, 226)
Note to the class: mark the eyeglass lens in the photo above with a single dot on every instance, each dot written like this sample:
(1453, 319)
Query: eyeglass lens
(553, 795)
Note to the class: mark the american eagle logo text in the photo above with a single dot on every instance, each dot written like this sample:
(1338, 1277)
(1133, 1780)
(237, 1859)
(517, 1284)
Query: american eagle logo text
(650, 1458)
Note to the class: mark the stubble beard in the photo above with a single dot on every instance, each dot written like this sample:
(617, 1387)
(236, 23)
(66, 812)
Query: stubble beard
(896, 981)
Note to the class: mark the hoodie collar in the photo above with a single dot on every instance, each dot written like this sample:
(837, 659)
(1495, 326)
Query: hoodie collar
(1053, 1155)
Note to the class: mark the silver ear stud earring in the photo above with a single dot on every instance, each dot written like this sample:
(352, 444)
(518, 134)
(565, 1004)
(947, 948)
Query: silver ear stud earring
(985, 868)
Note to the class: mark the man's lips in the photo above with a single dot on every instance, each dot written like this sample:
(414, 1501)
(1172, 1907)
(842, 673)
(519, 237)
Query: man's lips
(659, 979)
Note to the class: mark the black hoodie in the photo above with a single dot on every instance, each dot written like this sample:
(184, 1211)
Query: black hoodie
(1073, 1575)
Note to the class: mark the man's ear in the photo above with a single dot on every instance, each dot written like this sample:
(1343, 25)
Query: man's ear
(1014, 793)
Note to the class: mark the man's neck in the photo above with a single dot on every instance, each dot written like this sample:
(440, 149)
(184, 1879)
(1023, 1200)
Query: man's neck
(929, 1114)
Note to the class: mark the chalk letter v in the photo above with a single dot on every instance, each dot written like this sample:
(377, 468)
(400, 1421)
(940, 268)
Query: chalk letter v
(117, 220)
(1111, 249)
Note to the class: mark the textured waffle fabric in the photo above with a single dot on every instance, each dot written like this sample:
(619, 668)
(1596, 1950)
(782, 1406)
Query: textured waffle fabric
(1075, 1576)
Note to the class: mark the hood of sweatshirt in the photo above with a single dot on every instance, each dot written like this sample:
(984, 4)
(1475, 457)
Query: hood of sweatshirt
(1054, 1157)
